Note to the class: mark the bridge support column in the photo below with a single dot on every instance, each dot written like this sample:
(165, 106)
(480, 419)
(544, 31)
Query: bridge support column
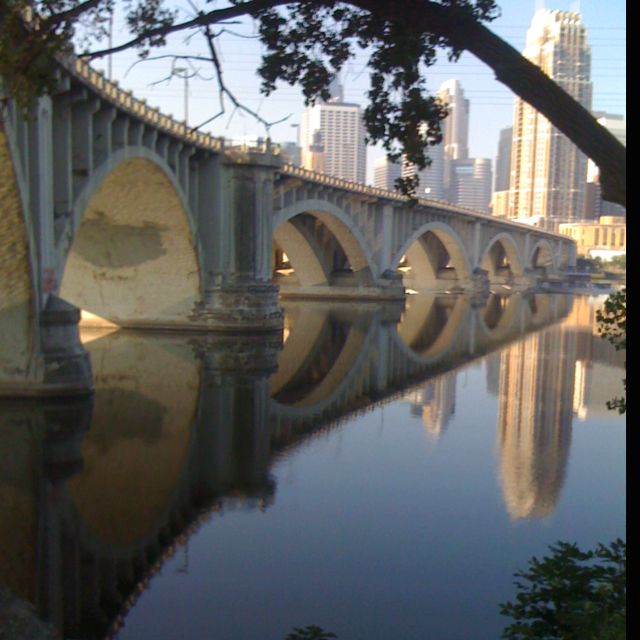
(239, 295)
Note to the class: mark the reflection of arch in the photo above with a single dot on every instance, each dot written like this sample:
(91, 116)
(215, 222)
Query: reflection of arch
(502, 257)
(431, 324)
(425, 264)
(336, 381)
(137, 448)
(17, 290)
(347, 235)
(133, 259)
(500, 315)
(541, 257)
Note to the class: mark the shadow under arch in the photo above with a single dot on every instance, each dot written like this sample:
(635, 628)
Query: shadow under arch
(133, 259)
(431, 325)
(434, 252)
(320, 239)
(18, 295)
(501, 258)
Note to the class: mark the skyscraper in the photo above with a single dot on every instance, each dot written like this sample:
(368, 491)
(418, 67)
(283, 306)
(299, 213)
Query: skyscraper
(341, 130)
(548, 172)
(431, 179)
(385, 173)
(470, 183)
(455, 134)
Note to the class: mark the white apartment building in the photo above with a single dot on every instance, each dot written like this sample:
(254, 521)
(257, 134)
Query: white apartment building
(343, 137)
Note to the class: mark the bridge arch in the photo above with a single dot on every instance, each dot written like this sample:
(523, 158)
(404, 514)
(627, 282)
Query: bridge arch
(420, 254)
(306, 256)
(131, 256)
(541, 257)
(502, 257)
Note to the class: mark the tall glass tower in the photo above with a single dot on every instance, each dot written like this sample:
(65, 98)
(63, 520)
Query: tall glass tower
(548, 172)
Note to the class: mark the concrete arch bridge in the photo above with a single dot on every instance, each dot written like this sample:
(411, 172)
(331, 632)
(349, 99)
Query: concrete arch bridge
(111, 207)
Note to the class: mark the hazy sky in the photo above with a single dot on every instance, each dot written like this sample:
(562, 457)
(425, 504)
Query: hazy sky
(491, 104)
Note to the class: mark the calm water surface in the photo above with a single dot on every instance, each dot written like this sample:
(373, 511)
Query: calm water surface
(382, 474)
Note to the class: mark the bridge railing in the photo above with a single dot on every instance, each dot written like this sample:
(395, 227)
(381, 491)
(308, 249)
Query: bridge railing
(385, 194)
(138, 107)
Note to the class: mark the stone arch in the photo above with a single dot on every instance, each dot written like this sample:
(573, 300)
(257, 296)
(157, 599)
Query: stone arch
(133, 259)
(542, 258)
(348, 236)
(501, 257)
(18, 293)
(425, 263)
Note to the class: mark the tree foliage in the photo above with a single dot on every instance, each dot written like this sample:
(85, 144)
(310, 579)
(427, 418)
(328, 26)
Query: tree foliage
(306, 42)
(571, 595)
(612, 325)
(312, 632)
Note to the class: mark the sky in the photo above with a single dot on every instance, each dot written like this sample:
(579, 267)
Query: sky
(491, 103)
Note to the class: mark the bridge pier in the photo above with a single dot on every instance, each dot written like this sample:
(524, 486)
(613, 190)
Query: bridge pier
(238, 292)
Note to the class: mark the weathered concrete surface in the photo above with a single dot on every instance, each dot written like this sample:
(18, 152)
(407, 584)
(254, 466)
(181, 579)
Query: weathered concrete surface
(133, 259)
(17, 331)
(19, 621)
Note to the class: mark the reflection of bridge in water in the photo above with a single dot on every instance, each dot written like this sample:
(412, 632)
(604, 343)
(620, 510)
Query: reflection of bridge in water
(101, 491)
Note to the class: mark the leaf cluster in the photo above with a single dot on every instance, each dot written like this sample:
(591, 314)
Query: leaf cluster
(312, 632)
(308, 43)
(612, 325)
(571, 595)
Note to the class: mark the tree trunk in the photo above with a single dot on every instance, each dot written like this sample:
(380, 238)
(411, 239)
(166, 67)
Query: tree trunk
(523, 77)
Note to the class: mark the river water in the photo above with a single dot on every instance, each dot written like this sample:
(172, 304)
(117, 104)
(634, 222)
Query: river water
(380, 471)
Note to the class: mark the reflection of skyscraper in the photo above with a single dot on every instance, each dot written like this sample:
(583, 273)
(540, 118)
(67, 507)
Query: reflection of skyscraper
(548, 172)
(492, 364)
(435, 403)
(534, 420)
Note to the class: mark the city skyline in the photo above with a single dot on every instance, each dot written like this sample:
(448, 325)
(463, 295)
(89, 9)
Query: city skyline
(492, 102)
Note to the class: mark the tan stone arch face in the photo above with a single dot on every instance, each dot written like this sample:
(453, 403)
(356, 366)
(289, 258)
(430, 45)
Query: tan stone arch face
(542, 257)
(435, 260)
(16, 283)
(133, 261)
(501, 258)
(308, 248)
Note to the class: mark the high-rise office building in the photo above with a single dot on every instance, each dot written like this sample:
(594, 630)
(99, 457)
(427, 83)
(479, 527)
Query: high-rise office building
(341, 130)
(430, 179)
(548, 172)
(385, 173)
(455, 128)
(594, 205)
(503, 160)
(470, 183)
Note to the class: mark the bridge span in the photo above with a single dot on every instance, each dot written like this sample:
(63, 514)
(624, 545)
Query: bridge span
(113, 208)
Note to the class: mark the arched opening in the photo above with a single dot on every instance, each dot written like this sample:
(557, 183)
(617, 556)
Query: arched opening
(433, 260)
(133, 261)
(501, 260)
(315, 250)
(542, 260)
